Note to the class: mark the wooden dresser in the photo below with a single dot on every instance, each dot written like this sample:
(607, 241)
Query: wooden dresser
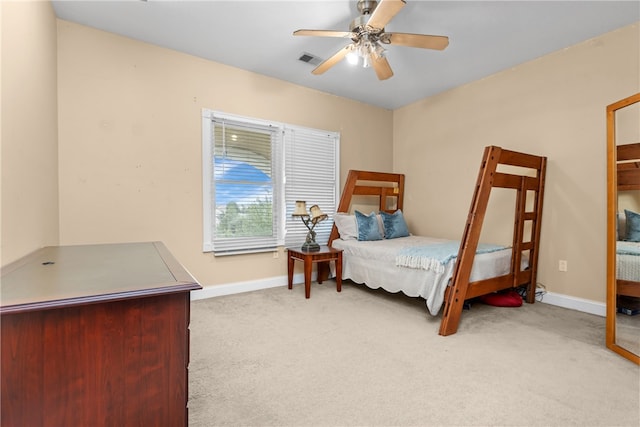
(95, 335)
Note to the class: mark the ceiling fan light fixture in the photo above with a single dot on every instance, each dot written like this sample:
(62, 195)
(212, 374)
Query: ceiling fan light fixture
(368, 36)
(352, 56)
(378, 51)
(364, 48)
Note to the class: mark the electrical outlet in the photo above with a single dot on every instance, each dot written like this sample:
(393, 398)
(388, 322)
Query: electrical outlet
(562, 265)
(275, 254)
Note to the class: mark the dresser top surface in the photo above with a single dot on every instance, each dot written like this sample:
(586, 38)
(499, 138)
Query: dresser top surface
(57, 276)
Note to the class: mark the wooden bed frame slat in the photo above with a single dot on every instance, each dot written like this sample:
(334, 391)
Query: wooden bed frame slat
(515, 158)
(527, 246)
(629, 165)
(503, 180)
(628, 179)
(628, 288)
(628, 152)
(377, 176)
(460, 289)
(510, 181)
(483, 287)
(363, 190)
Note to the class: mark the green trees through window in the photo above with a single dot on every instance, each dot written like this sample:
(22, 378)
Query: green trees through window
(255, 219)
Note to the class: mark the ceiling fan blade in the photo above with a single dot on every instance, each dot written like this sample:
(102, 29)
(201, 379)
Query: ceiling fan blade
(324, 33)
(382, 67)
(384, 12)
(328, 63)
(416, 40)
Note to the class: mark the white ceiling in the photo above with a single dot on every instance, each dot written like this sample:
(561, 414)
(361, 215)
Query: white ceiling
(484, 37)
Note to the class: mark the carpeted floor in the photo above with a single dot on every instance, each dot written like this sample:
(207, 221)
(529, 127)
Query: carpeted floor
(370, 358)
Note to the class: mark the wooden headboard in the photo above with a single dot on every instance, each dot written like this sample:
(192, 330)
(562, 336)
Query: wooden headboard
(628, 166)
(388, 187)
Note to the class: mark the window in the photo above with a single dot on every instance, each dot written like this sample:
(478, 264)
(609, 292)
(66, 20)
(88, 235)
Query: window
(253, 172)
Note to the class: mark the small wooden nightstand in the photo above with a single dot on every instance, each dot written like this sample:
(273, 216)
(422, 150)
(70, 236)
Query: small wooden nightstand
(322, 259)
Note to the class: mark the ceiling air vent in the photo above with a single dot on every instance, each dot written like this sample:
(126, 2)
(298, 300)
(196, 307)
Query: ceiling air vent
(310, 59)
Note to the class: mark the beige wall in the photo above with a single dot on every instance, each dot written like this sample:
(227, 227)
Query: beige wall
(130, 142)
(553, 106)
(29, 128)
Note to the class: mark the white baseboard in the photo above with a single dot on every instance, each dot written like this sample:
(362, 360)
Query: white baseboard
(575, 303)
(240, 287)
(560, 300)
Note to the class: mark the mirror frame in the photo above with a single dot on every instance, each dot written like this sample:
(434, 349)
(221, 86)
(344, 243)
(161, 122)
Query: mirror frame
(612, 218)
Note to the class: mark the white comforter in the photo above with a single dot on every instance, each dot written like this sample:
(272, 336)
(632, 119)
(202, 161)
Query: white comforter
(628, 261)
(374, 264)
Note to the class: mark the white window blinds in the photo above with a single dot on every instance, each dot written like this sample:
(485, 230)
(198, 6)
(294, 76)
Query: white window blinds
(311, 165)
(253, 173)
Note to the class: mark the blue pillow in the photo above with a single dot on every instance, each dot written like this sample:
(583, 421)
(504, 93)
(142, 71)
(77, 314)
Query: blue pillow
(368, 228)
(394, 225)
(633, 226)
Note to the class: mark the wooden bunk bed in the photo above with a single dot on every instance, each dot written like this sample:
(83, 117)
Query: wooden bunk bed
(628, 179)
(389, 189)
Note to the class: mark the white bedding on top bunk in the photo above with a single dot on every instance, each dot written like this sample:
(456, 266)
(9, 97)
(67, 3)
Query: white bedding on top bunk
(373, 263)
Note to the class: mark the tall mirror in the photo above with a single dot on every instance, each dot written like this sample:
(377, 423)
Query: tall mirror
(623, 227)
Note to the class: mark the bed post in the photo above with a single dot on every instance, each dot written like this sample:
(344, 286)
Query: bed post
(533, 262)
(345, 201)
(460, 281)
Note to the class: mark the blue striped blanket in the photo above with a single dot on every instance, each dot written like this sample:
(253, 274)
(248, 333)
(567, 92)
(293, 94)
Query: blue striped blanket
(627, 248)
(435, 256)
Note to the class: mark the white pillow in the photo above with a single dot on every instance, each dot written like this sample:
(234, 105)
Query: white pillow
(380, 224)
(347, 226)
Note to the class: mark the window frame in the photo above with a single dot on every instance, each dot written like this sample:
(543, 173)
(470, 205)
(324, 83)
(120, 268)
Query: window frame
(282, 200)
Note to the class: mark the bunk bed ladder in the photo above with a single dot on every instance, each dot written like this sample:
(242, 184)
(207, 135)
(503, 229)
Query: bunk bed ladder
(459, 289)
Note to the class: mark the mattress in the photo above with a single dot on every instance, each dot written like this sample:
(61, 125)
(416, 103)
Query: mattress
(373, 263)
(628, 261)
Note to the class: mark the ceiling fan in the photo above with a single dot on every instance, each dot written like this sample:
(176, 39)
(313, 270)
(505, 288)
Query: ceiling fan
(367, 36)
